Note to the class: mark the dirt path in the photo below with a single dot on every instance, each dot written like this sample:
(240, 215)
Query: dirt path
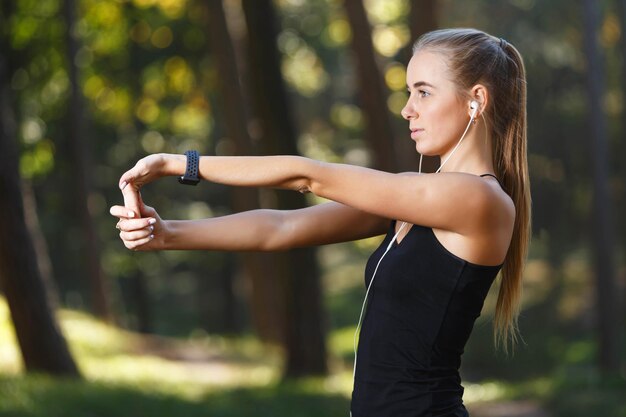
(507, 409)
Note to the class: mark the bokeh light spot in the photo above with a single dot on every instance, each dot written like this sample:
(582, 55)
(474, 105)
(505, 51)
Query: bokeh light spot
(152, 142)
(147, 110)
(141, 32)
(162, 37)
(338, 33)
(396, 102)
(388, 40)
(395, 77)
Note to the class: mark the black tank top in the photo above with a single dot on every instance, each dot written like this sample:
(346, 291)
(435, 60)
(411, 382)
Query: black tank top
(421, 310)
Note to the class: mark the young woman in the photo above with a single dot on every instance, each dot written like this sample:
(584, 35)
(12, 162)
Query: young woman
(448, 234)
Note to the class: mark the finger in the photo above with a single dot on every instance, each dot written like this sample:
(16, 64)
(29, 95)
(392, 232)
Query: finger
(137, 244)
(132, 199)
(129, 225)
(128, 177)
(136, 234)
(121, 212)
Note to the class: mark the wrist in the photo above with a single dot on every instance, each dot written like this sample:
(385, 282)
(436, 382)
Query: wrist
(173, 164)
(165, 235)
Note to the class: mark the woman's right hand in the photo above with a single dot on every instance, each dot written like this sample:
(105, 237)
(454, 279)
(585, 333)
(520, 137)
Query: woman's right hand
(145, 233)
(138, 224)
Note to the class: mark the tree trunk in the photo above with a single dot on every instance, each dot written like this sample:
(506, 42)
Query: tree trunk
(621, 8)
(80, 174)
(39, 242)
(42, 345)
(297, 269)
(378, 131)
(622, 147)
(266, 317)
(424, 18)
(601, 219)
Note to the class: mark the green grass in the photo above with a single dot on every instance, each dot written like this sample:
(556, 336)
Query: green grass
(128, 374)
(581, 391)
(42, 396)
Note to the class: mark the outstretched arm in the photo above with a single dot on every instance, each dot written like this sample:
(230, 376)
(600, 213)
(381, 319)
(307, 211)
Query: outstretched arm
(256, 230)
(452, 201)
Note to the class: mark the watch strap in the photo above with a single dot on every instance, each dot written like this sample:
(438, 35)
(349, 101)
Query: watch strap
(191, 171)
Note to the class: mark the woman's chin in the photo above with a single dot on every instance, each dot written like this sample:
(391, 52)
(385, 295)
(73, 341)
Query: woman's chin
(426, 152)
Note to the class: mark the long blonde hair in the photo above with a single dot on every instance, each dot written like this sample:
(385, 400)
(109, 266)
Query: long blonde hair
(475, 57)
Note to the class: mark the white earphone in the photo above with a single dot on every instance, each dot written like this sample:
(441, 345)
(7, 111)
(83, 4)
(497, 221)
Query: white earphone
(474, 106)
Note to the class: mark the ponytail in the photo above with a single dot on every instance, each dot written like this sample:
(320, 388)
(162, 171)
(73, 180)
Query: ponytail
(476, 57)
(510, 163)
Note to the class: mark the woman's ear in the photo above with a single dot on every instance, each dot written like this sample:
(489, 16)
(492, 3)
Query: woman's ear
(480, 94)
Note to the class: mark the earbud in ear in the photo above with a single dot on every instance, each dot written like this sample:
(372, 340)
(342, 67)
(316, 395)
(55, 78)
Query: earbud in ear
(474, 106)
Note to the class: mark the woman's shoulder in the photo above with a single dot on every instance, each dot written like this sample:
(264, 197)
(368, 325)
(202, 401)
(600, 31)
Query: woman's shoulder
(488, 221)
(487, 185)
(493, 205)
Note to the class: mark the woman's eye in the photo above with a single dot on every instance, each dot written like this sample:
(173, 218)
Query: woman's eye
(423, 93)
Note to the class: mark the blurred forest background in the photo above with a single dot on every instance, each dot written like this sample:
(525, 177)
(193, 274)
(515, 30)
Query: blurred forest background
(87, 87)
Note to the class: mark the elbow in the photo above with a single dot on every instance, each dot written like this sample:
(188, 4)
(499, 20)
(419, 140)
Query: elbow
(304, 189)
(284, 234)
(276, 244)
(273, 237)
(270, 243)
(303, 185)
(314, 182)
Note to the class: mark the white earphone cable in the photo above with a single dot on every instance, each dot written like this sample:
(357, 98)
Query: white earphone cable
(453, 150)
(457, 145)
(358, 327)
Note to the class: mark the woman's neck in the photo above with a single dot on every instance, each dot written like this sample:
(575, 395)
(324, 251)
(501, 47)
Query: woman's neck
(474, 155)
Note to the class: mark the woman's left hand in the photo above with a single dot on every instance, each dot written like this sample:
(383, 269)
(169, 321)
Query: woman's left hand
(148, 169)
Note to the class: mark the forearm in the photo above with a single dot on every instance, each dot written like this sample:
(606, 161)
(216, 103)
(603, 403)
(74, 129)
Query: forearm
(347, 184)
(283, 171)
(256, 230)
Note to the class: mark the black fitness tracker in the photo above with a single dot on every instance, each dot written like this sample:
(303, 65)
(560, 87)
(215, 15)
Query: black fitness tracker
(191, 173)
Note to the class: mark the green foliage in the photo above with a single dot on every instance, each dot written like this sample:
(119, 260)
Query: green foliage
(149, 83)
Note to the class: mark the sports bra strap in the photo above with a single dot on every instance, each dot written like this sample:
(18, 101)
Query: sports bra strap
(491, 175)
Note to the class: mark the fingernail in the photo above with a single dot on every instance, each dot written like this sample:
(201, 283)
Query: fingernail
(151, 228)
(123, 185)
(131, 214)
(151, 236)
(152, 221)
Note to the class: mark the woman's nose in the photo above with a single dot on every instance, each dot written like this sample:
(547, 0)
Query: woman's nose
(408, 111)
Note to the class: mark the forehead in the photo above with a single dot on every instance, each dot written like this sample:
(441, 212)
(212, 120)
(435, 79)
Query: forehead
(430, 67)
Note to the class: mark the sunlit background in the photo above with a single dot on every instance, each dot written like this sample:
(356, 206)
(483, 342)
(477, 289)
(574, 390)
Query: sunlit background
(181, 337)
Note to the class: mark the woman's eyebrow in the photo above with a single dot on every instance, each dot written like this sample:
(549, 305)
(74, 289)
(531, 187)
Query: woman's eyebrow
(421, 84)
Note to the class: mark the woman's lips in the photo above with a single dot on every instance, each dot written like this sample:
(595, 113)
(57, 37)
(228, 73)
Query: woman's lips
(415, 133)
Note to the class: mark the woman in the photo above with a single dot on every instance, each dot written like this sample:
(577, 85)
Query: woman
(462, 224)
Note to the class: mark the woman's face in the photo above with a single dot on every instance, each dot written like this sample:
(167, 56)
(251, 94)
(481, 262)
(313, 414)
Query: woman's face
(437, 116)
